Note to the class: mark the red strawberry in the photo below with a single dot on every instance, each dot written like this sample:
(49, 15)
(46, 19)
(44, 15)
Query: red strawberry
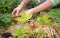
(33, 26)
(14, 16)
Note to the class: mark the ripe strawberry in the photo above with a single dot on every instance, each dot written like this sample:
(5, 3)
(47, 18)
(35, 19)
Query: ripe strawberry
(33, 26)
(14, 16)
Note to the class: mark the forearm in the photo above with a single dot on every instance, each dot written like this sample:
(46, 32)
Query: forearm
(41, 7)
(24, 3)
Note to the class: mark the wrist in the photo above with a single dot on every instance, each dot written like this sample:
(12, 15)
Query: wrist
(29, 11)
(19, 6)
(33, 11)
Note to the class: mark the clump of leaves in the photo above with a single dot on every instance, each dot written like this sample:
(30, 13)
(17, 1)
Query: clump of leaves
(19, 32)
(44, 19)
(6, 20)
(56, 13)
(6, 7)
(23, 16)
(6, 17)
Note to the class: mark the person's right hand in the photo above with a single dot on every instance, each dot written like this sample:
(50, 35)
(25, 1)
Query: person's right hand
(16, 11)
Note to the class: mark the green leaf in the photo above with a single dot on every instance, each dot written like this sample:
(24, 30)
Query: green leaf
(6, 18)
(40, 20)
(49, 22)
(23, 16)
(44, 19)
(19, 32)
(6, 7)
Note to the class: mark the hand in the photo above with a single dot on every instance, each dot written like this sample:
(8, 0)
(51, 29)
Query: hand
(16, 11)
(28, 12)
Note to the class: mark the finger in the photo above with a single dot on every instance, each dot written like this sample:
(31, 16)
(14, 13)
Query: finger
(14, 12)
(17, 14)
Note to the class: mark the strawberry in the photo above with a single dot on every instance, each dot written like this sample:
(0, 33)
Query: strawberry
(33, 25)
(14, 16)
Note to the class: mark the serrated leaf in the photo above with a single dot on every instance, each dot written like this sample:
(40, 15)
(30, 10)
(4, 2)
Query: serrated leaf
(6, 18)
(19, 32)
(23, 16)
(44, 19)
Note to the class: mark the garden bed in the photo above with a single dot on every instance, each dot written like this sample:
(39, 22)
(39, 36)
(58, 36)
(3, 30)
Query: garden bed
(25, 30)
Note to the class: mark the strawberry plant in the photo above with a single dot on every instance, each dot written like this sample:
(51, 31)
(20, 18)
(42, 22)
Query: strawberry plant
(23, 16)
(19, 32)
(56, 13)
(6, 7)
(44, 19)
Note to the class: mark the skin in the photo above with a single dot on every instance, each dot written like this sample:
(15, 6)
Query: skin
(44, 6)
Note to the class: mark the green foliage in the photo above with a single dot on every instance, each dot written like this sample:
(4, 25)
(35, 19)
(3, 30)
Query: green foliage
(5, 3)
(44, 19)
(5, 25)
(35, 16)
(33, 3)
(56, 13)
(6, 17)
(23, 16)
(6, 7)
(19, 32)
(5, 20)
